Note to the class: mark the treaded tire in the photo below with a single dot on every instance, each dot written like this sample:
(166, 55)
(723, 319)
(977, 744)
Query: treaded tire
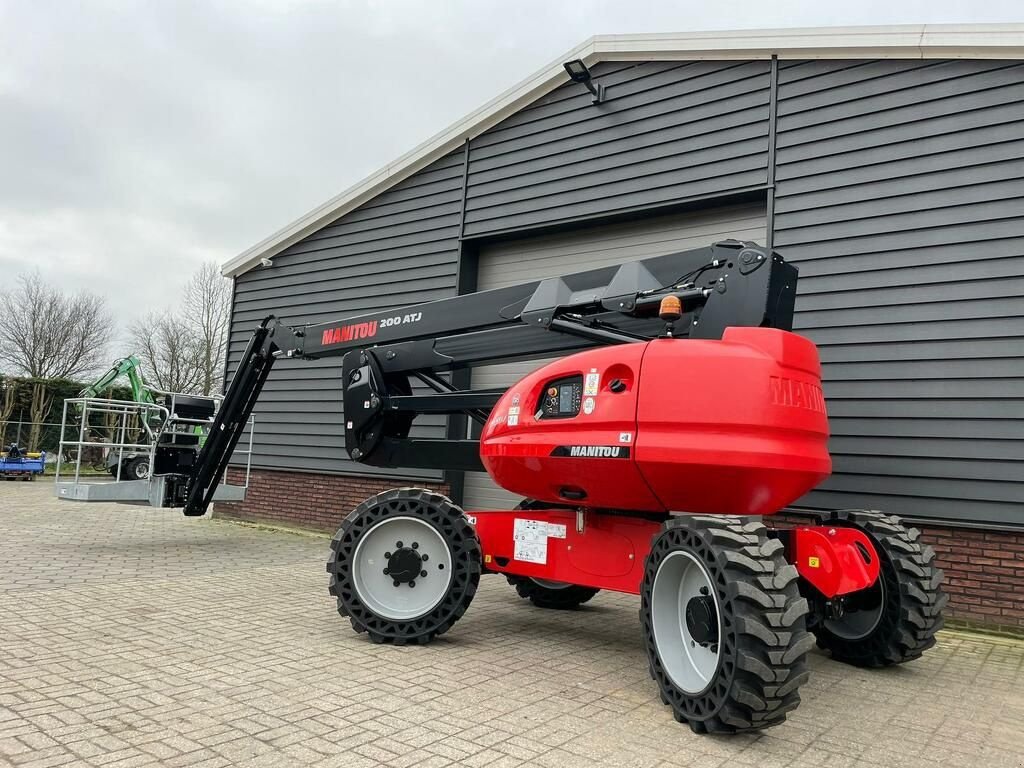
(459, 537)
(557, 598)
(136, 469)
(763, 639)
(914, 599)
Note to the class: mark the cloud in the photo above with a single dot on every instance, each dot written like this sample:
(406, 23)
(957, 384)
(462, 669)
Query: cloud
(138, 139)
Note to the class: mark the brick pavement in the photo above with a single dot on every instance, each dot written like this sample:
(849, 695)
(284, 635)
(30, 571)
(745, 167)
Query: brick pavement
(136, 637)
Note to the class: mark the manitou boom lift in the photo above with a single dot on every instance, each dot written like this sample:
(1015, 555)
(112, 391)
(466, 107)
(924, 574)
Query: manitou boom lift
(687, 410)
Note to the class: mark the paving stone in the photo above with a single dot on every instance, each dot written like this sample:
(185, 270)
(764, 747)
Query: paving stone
(137, 637)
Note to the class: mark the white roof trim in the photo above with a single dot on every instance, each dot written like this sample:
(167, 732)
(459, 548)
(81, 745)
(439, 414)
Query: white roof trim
(920, 41)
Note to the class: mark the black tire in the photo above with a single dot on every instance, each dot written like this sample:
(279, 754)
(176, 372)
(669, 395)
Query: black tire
(907, 601)
(555, 595)
(463, 548)
(136, 469)
(762, 637)
(558, 597)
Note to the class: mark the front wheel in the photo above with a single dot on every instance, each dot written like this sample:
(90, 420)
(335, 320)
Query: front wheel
(894, 620)
(404, 566)
(723, 623)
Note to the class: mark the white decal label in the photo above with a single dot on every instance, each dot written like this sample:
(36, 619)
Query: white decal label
(513, 418)
(531, 539)
(470, 519)
(515, 399)
(625, 437)
(588, 406)
(590, 387)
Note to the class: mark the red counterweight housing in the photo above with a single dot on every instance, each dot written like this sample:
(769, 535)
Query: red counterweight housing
(730, 426)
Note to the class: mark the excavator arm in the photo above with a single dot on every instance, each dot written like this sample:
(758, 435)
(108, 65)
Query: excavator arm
(128, 367)
(386, 353)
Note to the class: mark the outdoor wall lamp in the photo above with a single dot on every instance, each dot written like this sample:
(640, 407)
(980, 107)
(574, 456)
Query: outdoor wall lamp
(579, 73)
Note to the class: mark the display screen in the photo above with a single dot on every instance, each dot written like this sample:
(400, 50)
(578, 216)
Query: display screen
(565, 399)
(561, 398)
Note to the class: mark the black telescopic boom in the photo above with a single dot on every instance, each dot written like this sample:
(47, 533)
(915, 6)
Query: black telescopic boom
(231, 418)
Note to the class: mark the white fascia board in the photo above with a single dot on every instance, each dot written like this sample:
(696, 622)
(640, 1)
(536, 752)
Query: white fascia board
(911, 41)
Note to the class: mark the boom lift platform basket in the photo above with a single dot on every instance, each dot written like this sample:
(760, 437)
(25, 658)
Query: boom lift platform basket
(684, 411)
(157, 437)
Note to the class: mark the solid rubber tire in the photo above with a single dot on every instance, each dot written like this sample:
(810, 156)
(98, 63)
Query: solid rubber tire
(914, 599)
(450, 521)
(763, 640)
(566, 598)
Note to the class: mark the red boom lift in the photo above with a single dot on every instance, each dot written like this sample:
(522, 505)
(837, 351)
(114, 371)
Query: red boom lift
(687, 411)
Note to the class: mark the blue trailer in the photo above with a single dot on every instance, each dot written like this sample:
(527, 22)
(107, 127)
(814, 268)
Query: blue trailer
(16, 464)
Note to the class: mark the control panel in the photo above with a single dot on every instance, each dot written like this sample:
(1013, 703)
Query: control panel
(561, 398)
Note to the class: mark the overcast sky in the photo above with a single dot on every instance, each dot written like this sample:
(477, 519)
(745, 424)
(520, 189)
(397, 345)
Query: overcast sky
(138, 139)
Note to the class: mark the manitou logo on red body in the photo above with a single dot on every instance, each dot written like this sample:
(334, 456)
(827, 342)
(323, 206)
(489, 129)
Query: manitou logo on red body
(798, 394)
(352, 332)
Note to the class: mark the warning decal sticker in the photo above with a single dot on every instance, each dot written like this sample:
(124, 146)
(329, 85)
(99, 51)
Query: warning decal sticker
(531, 539)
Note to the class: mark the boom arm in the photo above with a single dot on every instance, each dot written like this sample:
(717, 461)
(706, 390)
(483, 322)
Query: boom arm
(730, 283)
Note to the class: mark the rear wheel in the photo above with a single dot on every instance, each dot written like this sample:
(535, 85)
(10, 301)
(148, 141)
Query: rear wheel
(894, 620)
(404, 566)
(551, 594)
(544, 593)
(723, 623)
(137, 469)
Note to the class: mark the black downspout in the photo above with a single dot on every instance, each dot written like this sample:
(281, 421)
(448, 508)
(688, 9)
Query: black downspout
(773, 114)
(460, 378)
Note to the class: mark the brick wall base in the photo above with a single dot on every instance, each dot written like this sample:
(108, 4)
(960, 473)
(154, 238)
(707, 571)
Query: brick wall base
(305, 500)
(984, 569)
(984, 572)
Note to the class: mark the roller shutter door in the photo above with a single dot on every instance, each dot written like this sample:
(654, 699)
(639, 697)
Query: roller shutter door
(520, 261)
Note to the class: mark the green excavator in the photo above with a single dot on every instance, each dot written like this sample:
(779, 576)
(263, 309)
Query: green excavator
(172, 439)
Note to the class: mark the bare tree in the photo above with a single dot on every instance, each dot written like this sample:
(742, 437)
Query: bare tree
(8, 396)
(183, 350)
(48, 334)
(207, 308)
(170, 352)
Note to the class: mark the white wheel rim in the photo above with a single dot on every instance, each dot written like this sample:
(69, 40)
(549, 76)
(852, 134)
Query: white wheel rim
(376, 589)
(689, 665)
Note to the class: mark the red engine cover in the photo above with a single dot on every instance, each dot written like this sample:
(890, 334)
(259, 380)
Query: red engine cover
(736, 426)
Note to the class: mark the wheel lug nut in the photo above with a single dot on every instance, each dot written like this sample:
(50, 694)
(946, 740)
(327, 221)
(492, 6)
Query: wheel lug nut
(386, 571)
(412, 583)
(398, 583)
(387, 555)
(415, 545)
(704, 590)
(424, 557)
(423, 573)
(398, 545)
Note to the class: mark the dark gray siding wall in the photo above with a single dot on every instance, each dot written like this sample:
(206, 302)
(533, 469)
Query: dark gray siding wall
(900, 193)
(400, 248)
(668, 132)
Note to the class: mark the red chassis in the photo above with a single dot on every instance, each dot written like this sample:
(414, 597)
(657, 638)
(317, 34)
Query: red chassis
(608, 551)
